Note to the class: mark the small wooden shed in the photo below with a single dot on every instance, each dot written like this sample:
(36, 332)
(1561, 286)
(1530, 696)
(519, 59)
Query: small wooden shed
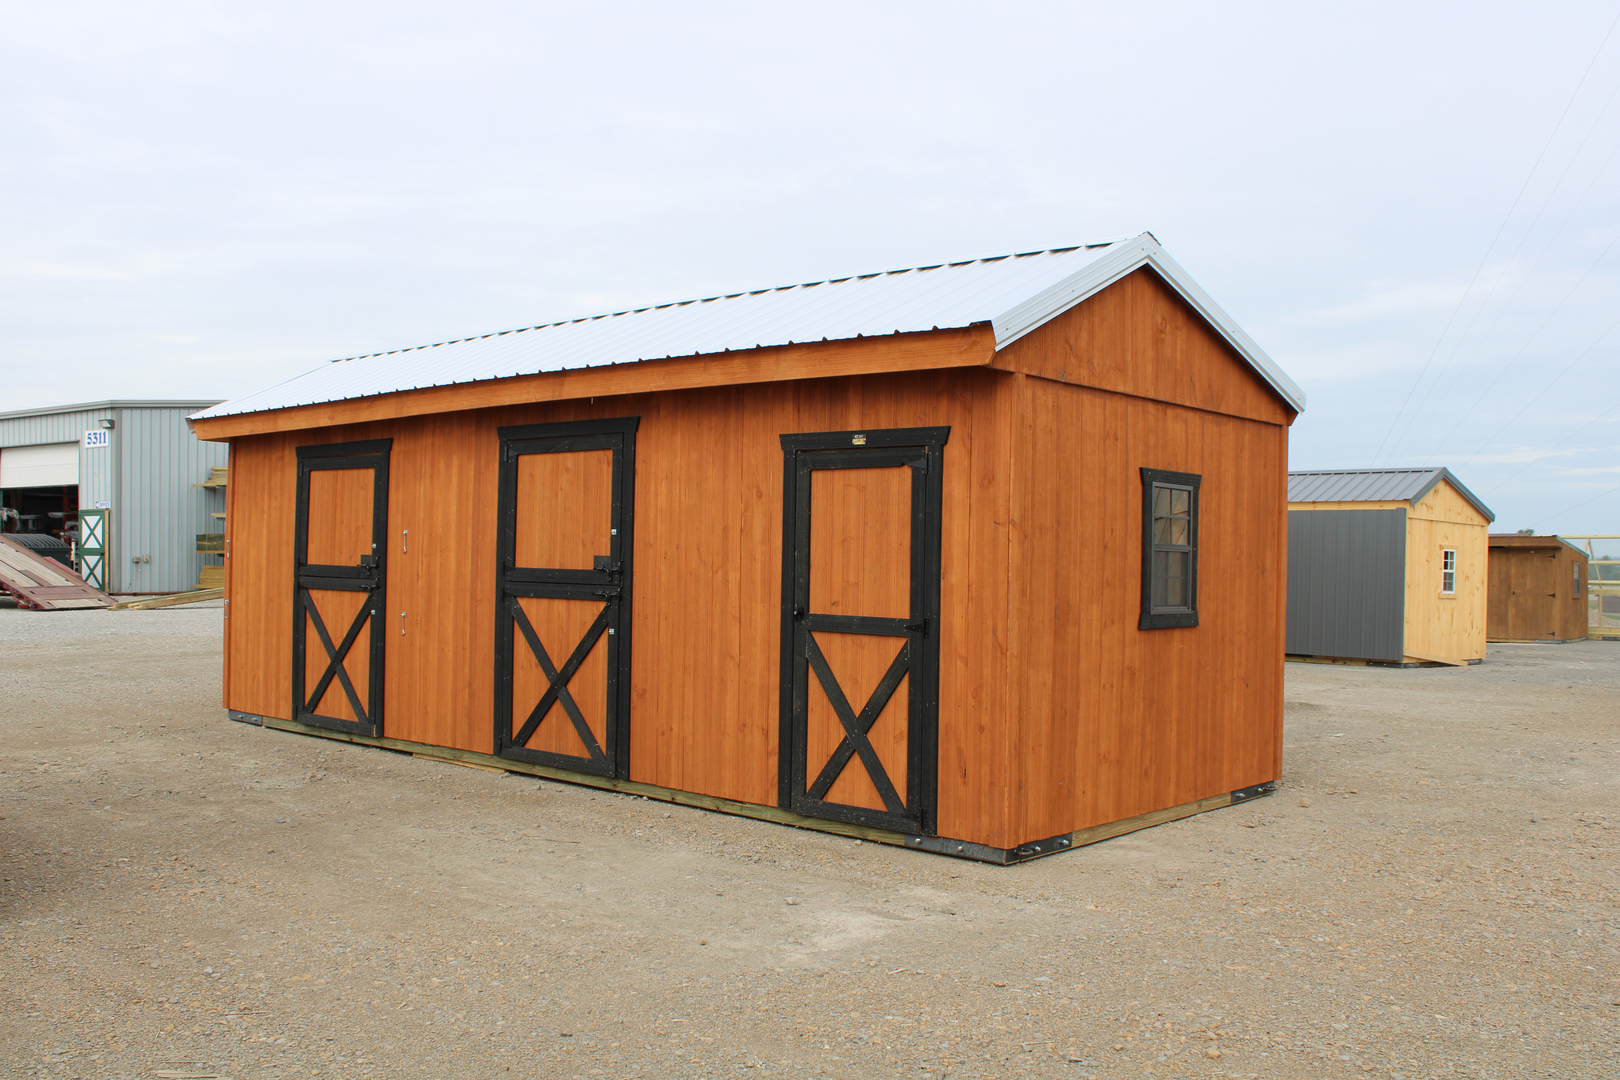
(1386, 566)
(983, 558)
(1538, 589)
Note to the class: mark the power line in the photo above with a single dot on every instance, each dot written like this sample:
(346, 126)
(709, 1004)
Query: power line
(1412, 428)
(1516, 289)
(1528, 341)
(1556, 445)
(1492, 246)
(1577, 506)
(1543, 391)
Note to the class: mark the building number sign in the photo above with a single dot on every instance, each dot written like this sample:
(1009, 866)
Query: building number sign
(95, 438)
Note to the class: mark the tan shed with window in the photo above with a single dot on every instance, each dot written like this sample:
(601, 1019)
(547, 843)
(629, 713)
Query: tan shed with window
(1387, 566)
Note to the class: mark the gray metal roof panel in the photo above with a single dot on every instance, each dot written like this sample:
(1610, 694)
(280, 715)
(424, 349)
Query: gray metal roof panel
(1013, 293)
(1375, 485)
(92, 406)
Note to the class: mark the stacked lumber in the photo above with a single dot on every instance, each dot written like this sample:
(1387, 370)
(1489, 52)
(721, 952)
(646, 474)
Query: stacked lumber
(42, 584)
(216, 477)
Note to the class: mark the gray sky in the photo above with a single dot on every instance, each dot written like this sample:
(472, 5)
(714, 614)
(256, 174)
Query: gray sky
(201, 201)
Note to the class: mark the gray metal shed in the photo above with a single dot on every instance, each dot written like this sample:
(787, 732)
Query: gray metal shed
(136, 460)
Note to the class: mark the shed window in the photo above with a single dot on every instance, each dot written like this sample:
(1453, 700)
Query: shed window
(1169, 549)
(1575, 566)
(1448, 571)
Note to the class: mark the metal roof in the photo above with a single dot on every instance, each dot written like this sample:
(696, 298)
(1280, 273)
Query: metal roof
(1013, 293)
(1375, 485)
(92, 406)
(1533, 541)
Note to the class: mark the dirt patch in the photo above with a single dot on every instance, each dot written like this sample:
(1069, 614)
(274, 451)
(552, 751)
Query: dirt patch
(1432, 892)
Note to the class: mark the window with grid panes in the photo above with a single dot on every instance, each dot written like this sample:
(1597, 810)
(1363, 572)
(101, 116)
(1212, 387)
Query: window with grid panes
(1448, 570)
(1169, 549)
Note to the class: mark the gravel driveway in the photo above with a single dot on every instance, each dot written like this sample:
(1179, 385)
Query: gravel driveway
(1432, 892)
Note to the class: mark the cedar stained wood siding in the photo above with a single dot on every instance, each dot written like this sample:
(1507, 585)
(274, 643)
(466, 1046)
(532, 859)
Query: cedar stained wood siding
(1055, 712)
(707, 608)
(1138, 337)
(1110, 721)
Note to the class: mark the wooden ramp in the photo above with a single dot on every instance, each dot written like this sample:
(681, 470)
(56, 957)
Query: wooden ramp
(44, 584)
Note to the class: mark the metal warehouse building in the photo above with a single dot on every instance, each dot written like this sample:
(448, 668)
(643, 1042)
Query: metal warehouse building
(125, 482)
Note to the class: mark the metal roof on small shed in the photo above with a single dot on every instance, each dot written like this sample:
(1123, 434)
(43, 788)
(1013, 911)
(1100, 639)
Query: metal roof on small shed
(1375, 485)
(1013, 293)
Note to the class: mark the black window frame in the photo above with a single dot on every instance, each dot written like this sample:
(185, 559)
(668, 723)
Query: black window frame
(1162, 618)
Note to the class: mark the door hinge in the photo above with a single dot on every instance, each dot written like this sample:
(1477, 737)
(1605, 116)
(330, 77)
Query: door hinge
(918, 627)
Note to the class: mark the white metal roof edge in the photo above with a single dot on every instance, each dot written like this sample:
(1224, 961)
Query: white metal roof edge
(1143, 251)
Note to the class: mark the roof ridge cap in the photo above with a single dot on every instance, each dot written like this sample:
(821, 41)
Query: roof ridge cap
(735, 295)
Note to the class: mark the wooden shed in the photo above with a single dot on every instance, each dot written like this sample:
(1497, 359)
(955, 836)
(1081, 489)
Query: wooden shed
(983, 558)
(1386, 566)
(1538, 589)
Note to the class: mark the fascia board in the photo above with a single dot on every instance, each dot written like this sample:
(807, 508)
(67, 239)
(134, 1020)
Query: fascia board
(1445, 474)
(1095, 277)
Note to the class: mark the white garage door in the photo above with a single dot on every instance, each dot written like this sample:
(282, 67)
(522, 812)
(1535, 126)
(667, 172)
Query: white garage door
(54, 465)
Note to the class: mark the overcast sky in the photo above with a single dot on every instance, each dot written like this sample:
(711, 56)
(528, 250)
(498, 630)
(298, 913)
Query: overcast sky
(1411, 207)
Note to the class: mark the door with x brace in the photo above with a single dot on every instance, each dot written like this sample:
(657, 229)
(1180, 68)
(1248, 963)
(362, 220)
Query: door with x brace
(562, 632)
(860, 638)
(340, 584)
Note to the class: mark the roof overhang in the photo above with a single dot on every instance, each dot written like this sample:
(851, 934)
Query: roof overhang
(964, 332)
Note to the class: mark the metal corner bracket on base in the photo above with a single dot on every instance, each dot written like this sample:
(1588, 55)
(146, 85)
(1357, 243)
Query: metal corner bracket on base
(245, 717)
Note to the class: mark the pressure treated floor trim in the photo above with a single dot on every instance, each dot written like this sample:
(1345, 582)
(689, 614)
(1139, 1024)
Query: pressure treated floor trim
(961, 849)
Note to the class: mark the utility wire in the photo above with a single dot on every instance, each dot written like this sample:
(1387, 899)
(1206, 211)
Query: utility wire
(1492, 246)
(1528, 341)
(1577, 506)
(1556, 445)
(1544, 389)
(1517, 288)
(1412, 428)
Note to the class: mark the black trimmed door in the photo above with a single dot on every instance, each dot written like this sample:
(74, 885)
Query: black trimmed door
(860, 626)
(562, 631)
(340, 557)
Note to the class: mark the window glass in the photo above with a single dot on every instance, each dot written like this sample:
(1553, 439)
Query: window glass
(1170, 549)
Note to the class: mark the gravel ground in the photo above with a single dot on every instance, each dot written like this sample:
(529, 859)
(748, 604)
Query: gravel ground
(1432, 892)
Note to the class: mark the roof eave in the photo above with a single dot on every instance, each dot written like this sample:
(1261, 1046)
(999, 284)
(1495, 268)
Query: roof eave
(1143, 251)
